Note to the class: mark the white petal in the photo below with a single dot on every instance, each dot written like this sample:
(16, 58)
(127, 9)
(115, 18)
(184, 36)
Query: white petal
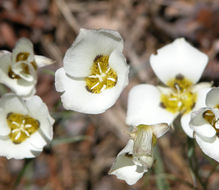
(17, 151)
(3, 52)
(201, 90)
(205, 130)
(118, 63)
(89, 44)
(19, 86)
(197, 117)
(34, 104)
(124, 168)
(23, 45)
(185, 119)
(38, 141)
(212, 98)
(160, 129)
(9, 103)
(77, 98)
(200, 125)
(209, 148)
(144, 107)
(18, 69)
(43, 61)
(178, 57)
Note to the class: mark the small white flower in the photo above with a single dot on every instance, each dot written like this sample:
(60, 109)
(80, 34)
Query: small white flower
(25, 126)
(95, 72)
(137, 156)
(205, 123)
(179, 66)
(18, 69)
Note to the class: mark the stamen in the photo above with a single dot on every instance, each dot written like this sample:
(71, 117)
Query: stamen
(99, 68)
(15, 123)
(95, 86)
(26, 132)
(102, 77)
(93, 76)
(181, 99)
(15, 130)
(112, 79)
(22, 127)
(108, 70)
(103, 88)
(28, 126)
(18, 135)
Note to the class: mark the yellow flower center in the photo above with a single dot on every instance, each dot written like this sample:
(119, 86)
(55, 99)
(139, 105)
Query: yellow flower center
(102, 76)
(181, 99)
(22, 127)
(211, 119)
(22, 57)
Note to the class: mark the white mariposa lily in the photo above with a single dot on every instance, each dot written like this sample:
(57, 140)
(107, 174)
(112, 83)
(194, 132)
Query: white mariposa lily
(95, 72)
(24, 130)
(137, 156)
(205, 123)
(179, 66)
(18, 69)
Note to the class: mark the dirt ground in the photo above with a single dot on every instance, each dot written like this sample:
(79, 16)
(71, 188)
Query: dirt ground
(145, 26)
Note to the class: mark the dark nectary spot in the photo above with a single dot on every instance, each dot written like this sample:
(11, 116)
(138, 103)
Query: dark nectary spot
(128, 155)
(179, 77)
(162, 105)
(97, 57)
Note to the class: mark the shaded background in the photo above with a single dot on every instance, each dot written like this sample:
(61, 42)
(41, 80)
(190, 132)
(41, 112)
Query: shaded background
(52, 26)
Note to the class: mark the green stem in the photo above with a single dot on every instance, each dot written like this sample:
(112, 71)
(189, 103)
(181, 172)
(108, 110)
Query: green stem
(162, 183)
(193, 164)
(27, 162)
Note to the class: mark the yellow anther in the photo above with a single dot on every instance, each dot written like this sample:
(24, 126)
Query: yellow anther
(12, 75)
(33, 63)
(22, 127)
(181, 99)
(210, 118)
(102, 76)
(22, 56)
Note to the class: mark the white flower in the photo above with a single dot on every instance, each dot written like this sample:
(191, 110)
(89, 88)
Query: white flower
(18, 69)
(95, 72)
(205, 123)
(179, 66)
(137, 156)
(25, 126)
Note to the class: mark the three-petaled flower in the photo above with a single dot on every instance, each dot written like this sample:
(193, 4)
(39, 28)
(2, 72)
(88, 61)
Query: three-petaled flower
(205, 123)
(179, 66)
(18, 69)
(24, 130)
(95, 72)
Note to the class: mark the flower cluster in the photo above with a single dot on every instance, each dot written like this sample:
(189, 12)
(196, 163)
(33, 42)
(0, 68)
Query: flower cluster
(179, 66)
(93, 75)
(24, 131)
